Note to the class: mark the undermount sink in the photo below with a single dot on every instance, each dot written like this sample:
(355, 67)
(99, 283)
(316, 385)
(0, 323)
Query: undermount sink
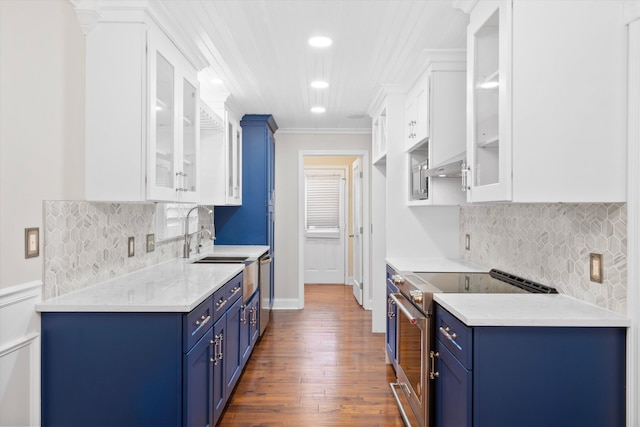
(221, 260)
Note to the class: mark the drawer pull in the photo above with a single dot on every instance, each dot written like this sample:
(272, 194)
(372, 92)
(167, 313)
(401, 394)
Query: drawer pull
(451, 337)
(235, 290)
(203, 320)
(221, 303)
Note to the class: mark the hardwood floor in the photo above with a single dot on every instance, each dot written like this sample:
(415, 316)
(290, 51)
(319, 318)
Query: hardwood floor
(320, 366)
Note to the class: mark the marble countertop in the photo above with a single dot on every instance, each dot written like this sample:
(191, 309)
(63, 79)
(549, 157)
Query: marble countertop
(176, 285)
(435, 265)
(527, 310)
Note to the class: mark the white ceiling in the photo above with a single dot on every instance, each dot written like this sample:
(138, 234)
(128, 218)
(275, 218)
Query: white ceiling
(259, 49)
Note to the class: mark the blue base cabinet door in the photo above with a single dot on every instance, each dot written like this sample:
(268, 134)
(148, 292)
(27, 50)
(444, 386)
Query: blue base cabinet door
(198, 386)
(232, 352)
(219, 383)
(453, 393)
(249, 326)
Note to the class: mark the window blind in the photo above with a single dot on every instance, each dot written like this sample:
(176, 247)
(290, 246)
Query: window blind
(322, 201)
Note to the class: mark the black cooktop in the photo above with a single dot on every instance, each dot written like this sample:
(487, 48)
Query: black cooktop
(494, 282)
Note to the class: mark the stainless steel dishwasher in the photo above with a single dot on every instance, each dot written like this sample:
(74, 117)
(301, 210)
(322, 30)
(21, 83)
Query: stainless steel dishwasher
(264, 282)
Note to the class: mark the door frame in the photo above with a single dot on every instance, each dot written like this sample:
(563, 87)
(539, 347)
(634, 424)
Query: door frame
(366, 220)
(345, 213)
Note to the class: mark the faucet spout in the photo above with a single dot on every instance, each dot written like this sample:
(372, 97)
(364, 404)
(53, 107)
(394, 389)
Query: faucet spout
(187, 238)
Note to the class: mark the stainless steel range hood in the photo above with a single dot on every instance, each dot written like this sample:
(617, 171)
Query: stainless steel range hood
(452, 168)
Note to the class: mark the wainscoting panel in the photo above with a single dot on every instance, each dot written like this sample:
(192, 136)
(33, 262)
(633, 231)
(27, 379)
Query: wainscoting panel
(20, 355)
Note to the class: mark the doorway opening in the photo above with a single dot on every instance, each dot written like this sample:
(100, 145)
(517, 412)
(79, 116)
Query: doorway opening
(333, 211)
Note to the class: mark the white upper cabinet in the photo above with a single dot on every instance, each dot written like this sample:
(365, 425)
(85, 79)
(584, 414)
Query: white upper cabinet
(221, 157)
(435, 123)
(417, 112)
(142, 116)
(546, 102)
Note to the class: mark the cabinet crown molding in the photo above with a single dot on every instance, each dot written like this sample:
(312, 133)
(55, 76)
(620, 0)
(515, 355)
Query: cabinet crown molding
(631, 11)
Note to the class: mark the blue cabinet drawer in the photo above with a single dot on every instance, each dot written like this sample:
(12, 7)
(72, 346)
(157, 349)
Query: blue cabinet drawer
(196, 323)
(224, 297)
(455, 336)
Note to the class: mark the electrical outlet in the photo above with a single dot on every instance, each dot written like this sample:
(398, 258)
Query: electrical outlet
(151, 242)
(467, 242)
(131, 247)
(595, 267)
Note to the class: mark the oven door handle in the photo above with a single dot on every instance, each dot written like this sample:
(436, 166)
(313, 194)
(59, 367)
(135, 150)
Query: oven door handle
(404, 309)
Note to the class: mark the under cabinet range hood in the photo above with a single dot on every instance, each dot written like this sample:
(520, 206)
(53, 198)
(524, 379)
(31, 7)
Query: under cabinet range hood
(452, 168)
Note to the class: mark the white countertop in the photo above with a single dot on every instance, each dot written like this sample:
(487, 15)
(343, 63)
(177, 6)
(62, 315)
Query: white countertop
(435, 265)
(527, 310)
(176, 285)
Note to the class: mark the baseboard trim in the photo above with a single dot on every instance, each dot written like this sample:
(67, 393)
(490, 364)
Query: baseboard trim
(286, 304)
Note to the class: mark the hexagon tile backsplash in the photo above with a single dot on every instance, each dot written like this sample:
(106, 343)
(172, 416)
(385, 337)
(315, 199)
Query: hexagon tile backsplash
(551, 243)
(86, 243)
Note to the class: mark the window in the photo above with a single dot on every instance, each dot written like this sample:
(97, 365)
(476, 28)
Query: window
(323, 207)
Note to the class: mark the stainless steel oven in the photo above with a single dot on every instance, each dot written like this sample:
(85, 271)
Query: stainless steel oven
(415, 372)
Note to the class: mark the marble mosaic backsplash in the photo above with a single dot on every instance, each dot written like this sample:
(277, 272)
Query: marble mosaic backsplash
(86, 243)
(551, 243)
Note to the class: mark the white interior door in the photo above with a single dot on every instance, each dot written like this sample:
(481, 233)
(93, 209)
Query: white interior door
(324, 255)
(358, 282)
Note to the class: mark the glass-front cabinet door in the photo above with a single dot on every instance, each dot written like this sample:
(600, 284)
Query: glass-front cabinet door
(234, 160)
(173, 131)
(164, 113)
(190, 129)
(488, 169)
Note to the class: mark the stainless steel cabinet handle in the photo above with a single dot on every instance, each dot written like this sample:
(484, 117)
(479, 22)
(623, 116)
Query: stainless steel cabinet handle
(446, 333)
(235, 290)
(204, 320)
(221, 303)
(221, 348)
(243, 319)
(214, 343)
(432, 373)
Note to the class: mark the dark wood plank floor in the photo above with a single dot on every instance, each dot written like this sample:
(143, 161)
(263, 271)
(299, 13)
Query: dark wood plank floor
(320, 366)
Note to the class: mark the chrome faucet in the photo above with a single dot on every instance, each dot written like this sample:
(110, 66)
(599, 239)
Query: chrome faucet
(187, 237)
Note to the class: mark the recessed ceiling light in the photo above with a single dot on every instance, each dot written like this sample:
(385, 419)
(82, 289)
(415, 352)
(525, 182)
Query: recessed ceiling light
(319, 84)
(320, 41)
(318, 110)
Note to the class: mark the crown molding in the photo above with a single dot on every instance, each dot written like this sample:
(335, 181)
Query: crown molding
(326, 131)
(380, 96)
(88, 14)
(464, 5)
(631, 11)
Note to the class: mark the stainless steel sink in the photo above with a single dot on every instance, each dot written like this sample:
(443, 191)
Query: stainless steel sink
(219, 259)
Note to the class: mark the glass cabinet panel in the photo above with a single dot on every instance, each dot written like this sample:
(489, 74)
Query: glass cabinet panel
(189, 153)
(486, 95)
(164, 110)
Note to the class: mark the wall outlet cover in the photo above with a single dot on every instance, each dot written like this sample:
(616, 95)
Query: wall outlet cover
(467, 242)
(151, 242)
(595, 267)
(31, 242)
(131, 247)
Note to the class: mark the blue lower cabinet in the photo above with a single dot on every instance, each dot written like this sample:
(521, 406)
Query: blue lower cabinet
(249, 326)
(219, 383)
(509, 376)
(452, 390)
(198, 383)
(141, 369)
(232, 352)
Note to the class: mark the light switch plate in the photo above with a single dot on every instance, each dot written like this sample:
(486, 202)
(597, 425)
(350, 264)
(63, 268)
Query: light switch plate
(131, 247)
(151, 242)
(595, 267)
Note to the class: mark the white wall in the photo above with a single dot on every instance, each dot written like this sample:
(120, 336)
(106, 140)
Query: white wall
(41, 157)
(287, 248)
(42, 116)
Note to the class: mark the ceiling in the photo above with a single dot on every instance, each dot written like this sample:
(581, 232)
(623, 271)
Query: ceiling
(259, 49)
